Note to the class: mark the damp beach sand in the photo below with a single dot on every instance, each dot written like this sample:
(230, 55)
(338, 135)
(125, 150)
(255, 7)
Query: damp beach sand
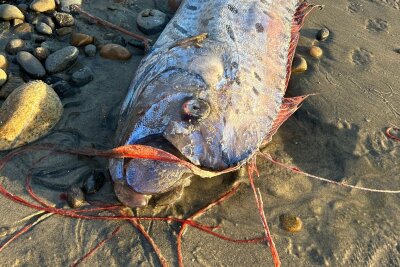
(338, 133)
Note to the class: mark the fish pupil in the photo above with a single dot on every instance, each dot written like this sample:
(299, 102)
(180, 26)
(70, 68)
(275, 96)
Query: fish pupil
(196, 108)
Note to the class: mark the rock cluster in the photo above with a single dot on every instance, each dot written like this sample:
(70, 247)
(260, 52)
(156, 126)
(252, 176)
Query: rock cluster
(44, 43)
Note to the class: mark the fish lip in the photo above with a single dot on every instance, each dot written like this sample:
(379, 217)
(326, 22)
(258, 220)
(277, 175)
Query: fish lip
(122, 172)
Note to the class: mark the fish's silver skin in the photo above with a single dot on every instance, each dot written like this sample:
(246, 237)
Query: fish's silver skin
(240, 70)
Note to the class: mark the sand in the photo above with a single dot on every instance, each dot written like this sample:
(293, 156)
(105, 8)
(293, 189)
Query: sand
(338, 133)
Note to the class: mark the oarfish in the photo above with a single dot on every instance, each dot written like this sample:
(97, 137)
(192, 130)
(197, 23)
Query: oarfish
(211, 91)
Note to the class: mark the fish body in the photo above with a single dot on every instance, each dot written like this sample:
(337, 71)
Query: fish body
(211, 100)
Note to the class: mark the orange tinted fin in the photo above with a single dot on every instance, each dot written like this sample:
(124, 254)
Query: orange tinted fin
(297, 23)
(288, 107)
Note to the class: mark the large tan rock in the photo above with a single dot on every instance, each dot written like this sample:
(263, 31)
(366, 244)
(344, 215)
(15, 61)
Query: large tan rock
(28, 113)
(43, 5)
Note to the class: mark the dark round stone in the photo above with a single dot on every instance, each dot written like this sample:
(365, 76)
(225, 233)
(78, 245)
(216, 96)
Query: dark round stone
(93, 182)
(82, 76)
(64, 90)
(15, 45)
(64, 19)
(23, 28)
(151, 21)
(323, 34)
(31, 64)
(75, 196)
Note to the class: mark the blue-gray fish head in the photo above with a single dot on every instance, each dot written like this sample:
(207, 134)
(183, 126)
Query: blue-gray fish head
(189, 120)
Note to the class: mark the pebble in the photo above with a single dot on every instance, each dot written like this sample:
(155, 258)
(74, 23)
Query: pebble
(75, 196)
(151, 21)
(64, 19)
(120, 40)
(290, 223)
(81, 39)
(49, 21)
(64, 4)
(62, 59)
(23, 28)
(9, 12)
(63, 89)
(136, 43)
(4, 26)
(323, 34)
(316, 52)
(3, 77)
(42, 5)
(12, 83)
(43, 28)
(38, 38)
(82, 76)
(299, 64)
(27, 114)
(3, 62)
(15, 45)
(41, 53)
(31, 64)
(23, 6)
(115, 51)
(93, 182)
(16, 22)
(90, 50)
(32, 17)
(64, 31)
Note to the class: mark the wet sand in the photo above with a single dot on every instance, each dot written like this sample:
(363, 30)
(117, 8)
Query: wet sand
(338, 133)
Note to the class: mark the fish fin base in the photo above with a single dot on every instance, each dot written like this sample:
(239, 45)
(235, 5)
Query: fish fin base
(288, 107)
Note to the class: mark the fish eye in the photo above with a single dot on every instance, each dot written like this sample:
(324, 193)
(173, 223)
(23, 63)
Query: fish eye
(196, 108)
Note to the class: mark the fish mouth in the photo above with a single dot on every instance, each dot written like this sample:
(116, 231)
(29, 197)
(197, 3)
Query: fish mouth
(137, 180)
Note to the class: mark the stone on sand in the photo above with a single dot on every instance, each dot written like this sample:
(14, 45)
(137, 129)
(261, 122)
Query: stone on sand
(41, 53)
(61, 59)
(323, 34)
(27, 114)
(299, 64)
(64, 19)
(290, 223)
(43, 28)
(316, 52)
(3, 77)
(82, 76)
(42, 5)
(23, 28)
(3, 62)
(15, 45)
(31, 64)
(9, 12)
(115, 51)
(81, 39)
(75, 196)
(151, 21)
(90, 50)
(64, 31)
(65, 4)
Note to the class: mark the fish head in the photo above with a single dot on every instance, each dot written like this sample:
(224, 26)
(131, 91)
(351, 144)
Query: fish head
(177, 113)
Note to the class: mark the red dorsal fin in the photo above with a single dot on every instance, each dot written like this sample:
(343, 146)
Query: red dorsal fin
(297, 23)
(288, 107)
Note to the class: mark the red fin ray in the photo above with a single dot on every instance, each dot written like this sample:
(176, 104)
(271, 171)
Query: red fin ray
(297, 23)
